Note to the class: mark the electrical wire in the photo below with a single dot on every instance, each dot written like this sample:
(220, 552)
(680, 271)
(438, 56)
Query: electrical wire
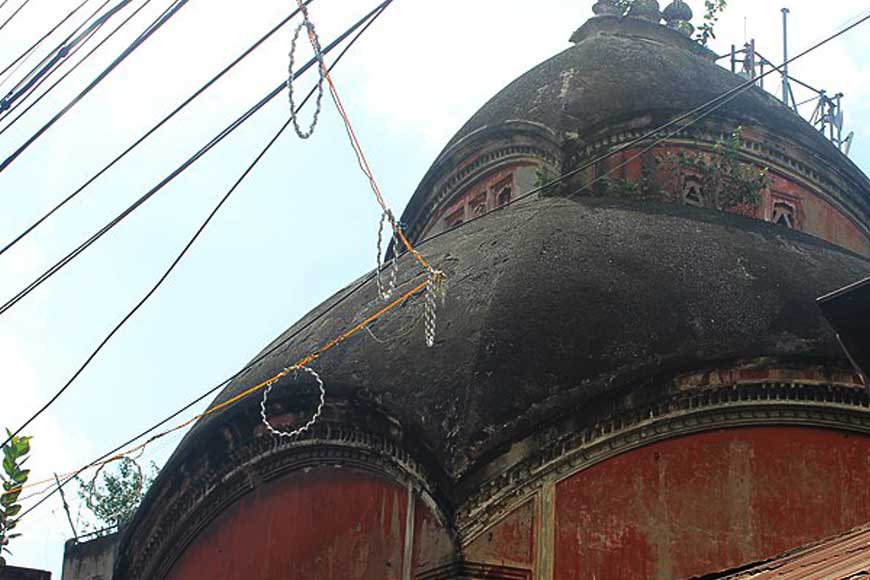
(14, 14)
(44, 36)
(370, 17)
(68, 72)
(265, 354)
(713, 105)
(150, 131)
(57, 49)
(161, 20)
(53, 60)
(178, 171)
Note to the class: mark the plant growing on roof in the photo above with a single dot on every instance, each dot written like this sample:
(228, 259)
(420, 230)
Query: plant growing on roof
(114, 500)
(14, 477)
(713, 9)
(725, 182)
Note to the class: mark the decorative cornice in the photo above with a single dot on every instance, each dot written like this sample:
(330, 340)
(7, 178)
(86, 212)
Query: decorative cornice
(474, 571)
(689, 412)
(257, 461)
(816, 179)
(465, 175)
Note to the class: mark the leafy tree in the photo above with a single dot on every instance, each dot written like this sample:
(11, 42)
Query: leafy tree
(14, 477)
(114, 501)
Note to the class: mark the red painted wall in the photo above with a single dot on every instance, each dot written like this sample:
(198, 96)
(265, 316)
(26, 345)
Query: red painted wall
(326, 524)
(511, 542)
(707, 502)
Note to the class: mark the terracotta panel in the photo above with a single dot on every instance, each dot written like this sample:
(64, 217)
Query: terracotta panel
(709, 502)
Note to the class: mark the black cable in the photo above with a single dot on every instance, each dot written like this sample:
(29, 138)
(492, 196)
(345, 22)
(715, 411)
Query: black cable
(14, 14)
(347, 295)
(112, 66)
(151, 131)
(43, 37)
(49, 56)
(67, 73)
(178, 171)
(54, 60)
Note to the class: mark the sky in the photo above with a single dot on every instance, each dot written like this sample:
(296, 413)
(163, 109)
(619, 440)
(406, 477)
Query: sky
(303, 224)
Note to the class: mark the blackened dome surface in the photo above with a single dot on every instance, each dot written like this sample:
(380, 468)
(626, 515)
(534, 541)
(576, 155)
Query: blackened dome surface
(627, 70)
(557, 303)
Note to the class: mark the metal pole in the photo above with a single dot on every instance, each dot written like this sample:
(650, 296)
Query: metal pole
(785, 88)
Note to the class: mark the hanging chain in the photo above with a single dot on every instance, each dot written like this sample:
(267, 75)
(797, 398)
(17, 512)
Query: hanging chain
(314, 418)
(436, 291)
(318, 54)
(386, 291)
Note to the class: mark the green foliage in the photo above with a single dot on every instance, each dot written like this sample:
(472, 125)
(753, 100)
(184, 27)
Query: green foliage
(713, 9)
(726, 183)
(14, 477)
(113, 502)
(543, 180)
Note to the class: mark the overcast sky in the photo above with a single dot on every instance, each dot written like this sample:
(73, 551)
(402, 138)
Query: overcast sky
(305, 222)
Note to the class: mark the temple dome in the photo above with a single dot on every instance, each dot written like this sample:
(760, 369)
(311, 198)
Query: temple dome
(564, 313)
(560, 304)
(556, 303)
(630, 75)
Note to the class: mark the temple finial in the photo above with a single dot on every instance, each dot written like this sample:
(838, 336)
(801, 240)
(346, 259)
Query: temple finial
(678, 16)
(606, 8)
(645, 10)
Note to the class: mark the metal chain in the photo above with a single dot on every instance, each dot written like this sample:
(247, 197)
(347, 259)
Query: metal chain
(436, 291)
(318, 54)
(314, 418)
(386, 292)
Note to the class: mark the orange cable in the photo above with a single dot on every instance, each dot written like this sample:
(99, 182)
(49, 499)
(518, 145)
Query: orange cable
(229, 402)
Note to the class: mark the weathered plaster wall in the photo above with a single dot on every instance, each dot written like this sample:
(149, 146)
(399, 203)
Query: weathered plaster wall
(91, 560)
(326, 523)
(698, 504)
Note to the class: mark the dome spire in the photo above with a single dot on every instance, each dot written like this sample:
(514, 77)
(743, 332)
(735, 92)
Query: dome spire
(606, 8)
(678, 16)
(645, 10)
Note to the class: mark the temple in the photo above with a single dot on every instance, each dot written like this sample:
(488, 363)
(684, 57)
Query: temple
(631, 378)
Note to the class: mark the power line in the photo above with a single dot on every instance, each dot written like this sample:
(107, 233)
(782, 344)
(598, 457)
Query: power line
(178, 171)
(714, 104)
(58, 48)
(369, 18)
(68, 72)
(161, 20)
(14, 14)
(44, 36)
(256, 360)
(52, 61)
(148, 133)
